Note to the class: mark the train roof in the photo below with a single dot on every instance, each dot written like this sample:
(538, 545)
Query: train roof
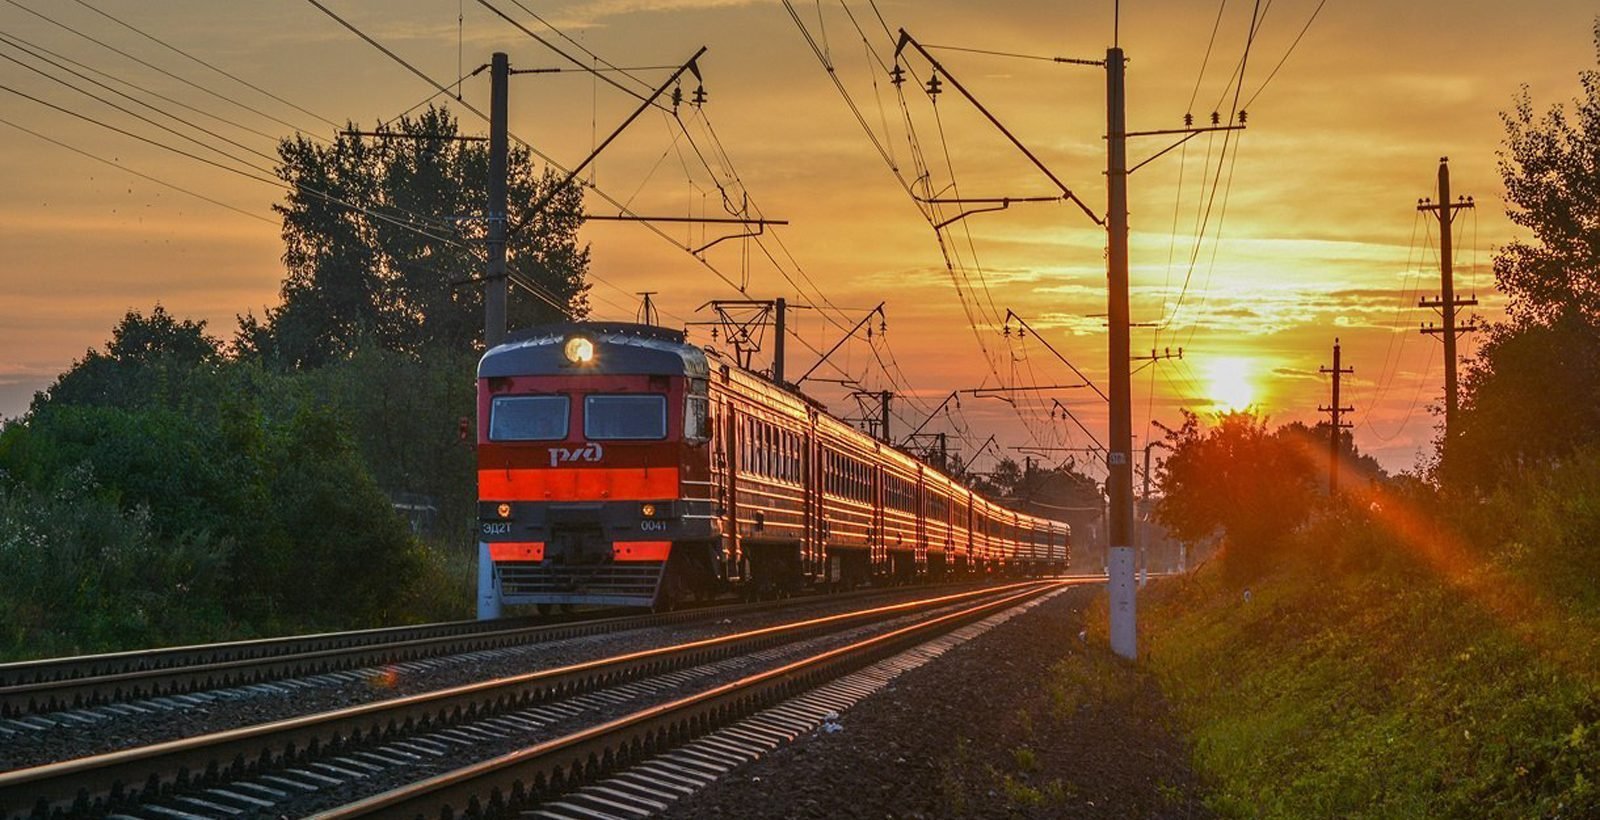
(648, 349)
(623, 348)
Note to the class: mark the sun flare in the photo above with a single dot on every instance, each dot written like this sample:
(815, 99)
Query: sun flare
(1229, 385)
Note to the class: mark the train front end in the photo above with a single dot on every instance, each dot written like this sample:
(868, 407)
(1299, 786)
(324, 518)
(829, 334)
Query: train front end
(592, 465)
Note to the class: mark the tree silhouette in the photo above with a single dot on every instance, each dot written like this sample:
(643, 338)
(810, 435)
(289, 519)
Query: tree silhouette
(383, 245)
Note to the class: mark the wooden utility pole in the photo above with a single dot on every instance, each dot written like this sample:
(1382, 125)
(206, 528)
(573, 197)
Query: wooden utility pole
(1447, 303)
(1335, 426)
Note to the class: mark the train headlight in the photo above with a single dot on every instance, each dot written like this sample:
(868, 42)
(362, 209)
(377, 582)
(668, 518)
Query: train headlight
(504, 510)
(647, 510)
(579, 350)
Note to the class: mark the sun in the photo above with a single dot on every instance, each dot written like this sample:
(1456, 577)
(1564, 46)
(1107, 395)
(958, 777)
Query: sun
(1228, 383)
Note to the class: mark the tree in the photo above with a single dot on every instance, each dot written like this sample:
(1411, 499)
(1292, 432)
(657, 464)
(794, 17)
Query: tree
(1551, 168)
(1530, 398)
(383, 247)
(149, 359)
(1531, 395)
(1239, 480)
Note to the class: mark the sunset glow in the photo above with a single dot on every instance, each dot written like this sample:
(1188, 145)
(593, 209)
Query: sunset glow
(1306, 224)
(1230, 383)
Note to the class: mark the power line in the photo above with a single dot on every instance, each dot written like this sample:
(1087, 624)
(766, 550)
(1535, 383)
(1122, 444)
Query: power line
(153, 67)
(142, 175)
(35, 49)
(1285, 58)
(229, 75)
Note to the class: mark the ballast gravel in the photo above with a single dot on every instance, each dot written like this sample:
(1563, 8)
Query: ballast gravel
(1027, 720)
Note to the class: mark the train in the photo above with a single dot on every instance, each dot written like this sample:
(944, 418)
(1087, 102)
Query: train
(620, 465)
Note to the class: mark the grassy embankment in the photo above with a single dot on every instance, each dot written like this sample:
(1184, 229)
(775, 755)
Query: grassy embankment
(1390, 669)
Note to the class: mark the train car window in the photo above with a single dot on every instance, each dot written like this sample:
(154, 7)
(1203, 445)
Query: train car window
(787, 439)
(528, 418)
(625, 417)
(697, 413)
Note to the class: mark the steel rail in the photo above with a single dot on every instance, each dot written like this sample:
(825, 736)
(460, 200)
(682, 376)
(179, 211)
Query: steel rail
(522, 778)
(36, 687)
(104, 782)
(111, 663)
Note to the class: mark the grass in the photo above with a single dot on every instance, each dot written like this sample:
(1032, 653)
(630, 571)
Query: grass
(1401, 689)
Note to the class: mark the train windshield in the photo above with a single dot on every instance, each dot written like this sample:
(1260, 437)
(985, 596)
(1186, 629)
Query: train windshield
(633, 416)
(528, 418)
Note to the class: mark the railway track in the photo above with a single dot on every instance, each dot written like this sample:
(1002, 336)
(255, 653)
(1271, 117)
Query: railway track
(237, 771)
(53, 685)
(631, 764)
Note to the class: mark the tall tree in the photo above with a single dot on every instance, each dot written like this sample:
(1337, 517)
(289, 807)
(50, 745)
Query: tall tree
(1530, 395)
(383, 242)
(1551, 168)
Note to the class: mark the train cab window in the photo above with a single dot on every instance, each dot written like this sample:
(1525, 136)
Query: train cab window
(528, 418)
(622, 417)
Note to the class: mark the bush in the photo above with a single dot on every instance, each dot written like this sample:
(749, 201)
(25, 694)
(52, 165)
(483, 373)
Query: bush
(83, 574)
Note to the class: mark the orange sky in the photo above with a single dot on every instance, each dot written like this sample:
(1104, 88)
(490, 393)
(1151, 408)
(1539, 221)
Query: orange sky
(1315, 237)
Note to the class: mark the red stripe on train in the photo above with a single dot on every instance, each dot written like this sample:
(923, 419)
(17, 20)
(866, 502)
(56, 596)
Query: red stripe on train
(578, 484)
(516, 551)
(641, 550)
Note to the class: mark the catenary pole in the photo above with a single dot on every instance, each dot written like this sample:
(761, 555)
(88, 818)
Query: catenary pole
(780, 328)
(494, 293)
(494, 279)
(1119, 478)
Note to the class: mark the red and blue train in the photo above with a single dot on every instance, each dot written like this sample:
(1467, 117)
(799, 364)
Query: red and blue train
(620, 465)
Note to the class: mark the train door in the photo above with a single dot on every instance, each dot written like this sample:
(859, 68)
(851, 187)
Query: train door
(809, 479)
(880, 539)
(732, 447)
(919, 503)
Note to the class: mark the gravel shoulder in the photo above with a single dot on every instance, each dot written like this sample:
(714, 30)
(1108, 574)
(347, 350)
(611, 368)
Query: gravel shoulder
(1027, 720)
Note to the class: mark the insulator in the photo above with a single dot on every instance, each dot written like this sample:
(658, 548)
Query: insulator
(897, 75)
(1188, 120)
(934, 86)
(713, 334)
(1022, 333)
(677, 97)
(1216, 118)
(883, 326)
(869, 331)
(699, 97)
(1006, 330)
(1242, 115)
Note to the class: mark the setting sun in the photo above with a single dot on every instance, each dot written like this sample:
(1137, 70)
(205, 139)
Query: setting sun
(1228, 383)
